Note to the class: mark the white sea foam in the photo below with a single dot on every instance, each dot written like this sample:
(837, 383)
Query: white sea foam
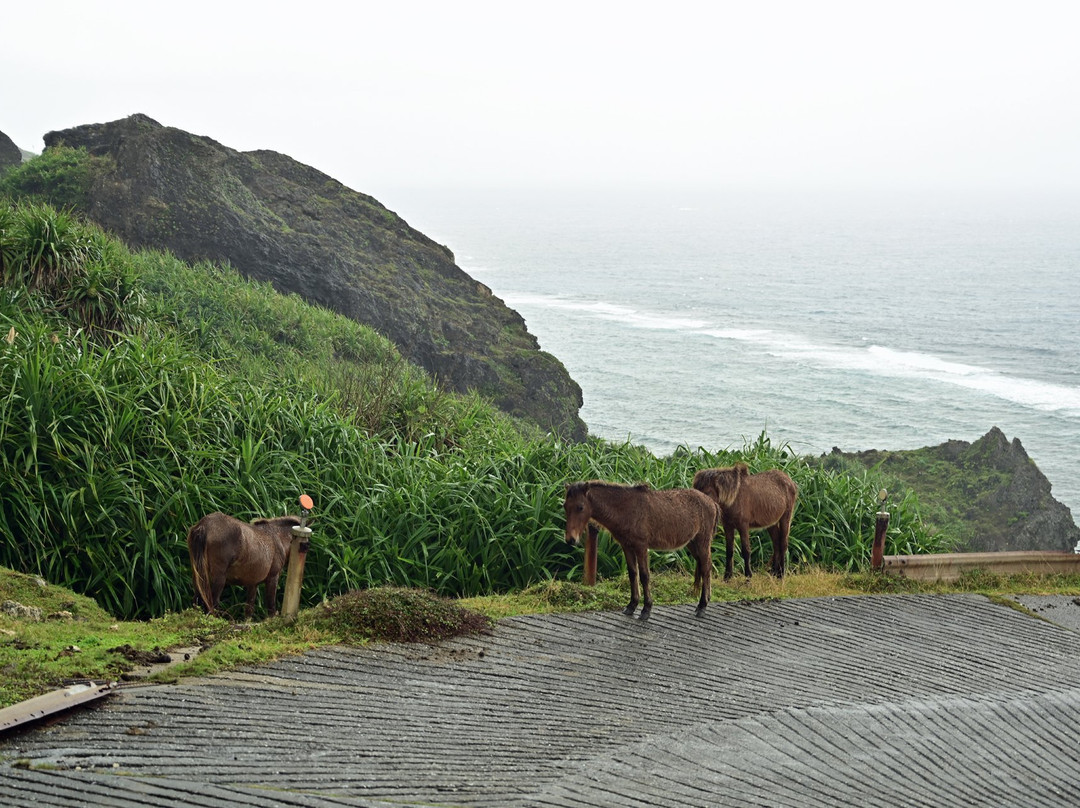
(883, 361)
(635, 318)
(870, 359)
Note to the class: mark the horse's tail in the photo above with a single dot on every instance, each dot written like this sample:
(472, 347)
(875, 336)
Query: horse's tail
(200, 573)
(712, 521)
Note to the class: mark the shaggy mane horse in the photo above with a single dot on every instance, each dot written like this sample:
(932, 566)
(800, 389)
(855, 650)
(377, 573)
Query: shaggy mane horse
(639, 518)
(750, 501)
(225, 550)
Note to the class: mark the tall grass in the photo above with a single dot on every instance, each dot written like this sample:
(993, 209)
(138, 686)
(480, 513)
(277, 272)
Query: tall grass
(223, 395)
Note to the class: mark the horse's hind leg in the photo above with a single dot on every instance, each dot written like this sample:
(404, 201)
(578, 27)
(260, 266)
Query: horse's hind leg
(270, 595)
(781, 541)
(249, 607)
(643, 573)
(631, 570)
(702, 551)
(217, 586)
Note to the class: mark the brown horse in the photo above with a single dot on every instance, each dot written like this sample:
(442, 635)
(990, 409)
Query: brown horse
(225, 550)
(750, 501)
(638, 518)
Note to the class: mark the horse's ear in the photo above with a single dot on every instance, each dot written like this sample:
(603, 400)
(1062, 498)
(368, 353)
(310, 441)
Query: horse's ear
(742, 469)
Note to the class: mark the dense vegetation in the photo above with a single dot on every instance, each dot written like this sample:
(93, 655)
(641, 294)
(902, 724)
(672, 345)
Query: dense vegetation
(138, 393)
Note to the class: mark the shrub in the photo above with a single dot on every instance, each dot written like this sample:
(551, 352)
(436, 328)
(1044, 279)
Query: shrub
(60, 176)
(393, 614)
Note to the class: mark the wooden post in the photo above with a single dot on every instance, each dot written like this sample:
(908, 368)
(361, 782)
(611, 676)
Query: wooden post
(294, 576)
(877, 553)
(590, 555)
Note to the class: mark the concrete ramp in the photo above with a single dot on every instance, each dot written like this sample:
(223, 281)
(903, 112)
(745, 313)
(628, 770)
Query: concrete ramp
(862, 701)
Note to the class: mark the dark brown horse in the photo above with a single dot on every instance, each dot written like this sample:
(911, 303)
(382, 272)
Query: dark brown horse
(750, 501)
(639, 518)
(225, 550)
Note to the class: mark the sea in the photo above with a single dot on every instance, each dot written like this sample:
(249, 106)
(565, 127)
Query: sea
(861, 320)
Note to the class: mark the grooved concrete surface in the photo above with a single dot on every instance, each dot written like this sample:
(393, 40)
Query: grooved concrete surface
(864, 701)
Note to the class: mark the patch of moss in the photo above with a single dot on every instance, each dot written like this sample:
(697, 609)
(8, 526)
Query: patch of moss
(575, 597)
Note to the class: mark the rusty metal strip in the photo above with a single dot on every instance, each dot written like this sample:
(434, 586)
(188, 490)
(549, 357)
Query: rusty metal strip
(54, 702)
(949, 566)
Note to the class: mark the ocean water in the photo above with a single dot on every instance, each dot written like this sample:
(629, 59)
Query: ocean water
(702, 318)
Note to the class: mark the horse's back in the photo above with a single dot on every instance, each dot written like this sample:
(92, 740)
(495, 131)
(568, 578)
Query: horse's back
(681, 512)
(774, 485)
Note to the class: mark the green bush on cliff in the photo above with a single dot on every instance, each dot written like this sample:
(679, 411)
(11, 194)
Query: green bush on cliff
(61, 177)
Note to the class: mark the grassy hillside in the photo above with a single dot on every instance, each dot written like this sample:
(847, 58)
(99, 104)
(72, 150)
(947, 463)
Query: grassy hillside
(138, 393)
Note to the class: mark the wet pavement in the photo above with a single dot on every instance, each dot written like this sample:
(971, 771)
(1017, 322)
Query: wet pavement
(861, 701)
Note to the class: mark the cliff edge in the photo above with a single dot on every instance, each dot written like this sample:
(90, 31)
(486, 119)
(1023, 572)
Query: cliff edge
(10, 154)
(990, 493)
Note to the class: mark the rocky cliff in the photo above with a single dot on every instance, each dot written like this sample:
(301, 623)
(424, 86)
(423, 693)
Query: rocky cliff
(990, 492)
(10, 154)
(278, 220)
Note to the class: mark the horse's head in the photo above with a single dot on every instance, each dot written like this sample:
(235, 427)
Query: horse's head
(577, 509)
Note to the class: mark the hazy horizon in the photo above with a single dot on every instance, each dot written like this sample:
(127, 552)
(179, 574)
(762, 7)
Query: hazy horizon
(782, 95)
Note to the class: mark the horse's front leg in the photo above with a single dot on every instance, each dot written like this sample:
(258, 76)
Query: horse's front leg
(631, 570)
(643, 573)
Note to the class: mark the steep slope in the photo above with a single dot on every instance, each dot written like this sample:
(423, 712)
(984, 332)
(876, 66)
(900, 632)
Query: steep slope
(278, 220)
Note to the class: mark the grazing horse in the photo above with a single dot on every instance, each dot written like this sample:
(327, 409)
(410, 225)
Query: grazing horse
(750, 501)
(225, 550)
(638, 518)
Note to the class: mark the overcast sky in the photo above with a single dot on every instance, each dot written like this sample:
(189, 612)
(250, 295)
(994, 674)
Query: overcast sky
(388, 94)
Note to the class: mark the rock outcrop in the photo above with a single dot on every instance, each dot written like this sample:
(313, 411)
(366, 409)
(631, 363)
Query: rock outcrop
(275, 219)
(991, 488)
(10, 154)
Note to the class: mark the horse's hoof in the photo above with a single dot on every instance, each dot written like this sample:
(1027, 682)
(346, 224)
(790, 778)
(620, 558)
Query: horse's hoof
(644, 614)
(699, 612)
(629, 610)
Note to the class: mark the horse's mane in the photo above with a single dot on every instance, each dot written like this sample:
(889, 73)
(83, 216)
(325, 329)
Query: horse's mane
(642, 486)
(585, 485)
(279, 520)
